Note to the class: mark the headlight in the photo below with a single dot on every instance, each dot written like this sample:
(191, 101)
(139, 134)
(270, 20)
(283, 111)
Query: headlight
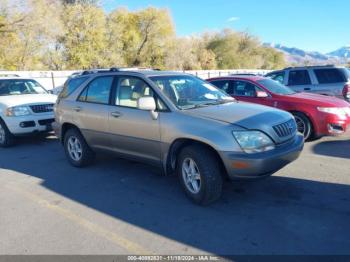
(18, 111)
(253, 141)
(339, 111)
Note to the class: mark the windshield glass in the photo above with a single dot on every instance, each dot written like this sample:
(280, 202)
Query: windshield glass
(10, 87)
(276, 87)
(347, 73)
(190, 92)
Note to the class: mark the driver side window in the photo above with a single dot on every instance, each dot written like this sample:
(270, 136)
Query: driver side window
(243, 88)
(130, 89)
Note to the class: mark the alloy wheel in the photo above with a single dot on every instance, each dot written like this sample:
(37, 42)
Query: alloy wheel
(301, 126)
(191, 175)
(74, 148)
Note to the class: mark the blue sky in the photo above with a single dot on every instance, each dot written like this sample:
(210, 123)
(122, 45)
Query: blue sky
(313, 25)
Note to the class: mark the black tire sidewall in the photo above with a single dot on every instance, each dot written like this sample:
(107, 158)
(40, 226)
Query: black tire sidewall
(209, 170)
(87, 154)
(307, 123)
(8, 136)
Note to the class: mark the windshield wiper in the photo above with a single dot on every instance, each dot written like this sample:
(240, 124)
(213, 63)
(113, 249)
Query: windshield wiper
(209, 103)
(220, 102)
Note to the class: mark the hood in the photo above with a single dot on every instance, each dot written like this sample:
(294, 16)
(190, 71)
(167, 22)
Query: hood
(319, 100)
(34, 99)
(247, 115)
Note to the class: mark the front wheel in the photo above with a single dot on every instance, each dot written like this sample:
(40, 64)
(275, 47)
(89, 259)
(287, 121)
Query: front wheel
(303, 124)
(77, 150)
(199, 171)
(6, 138)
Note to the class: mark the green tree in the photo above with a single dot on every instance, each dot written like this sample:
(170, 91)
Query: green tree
(78, 34)
(235, 50)
(143, 36)
(85, 37)
(80, 2)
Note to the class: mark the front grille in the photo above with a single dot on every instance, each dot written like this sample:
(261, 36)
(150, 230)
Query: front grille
(286, 129)
(42, 108)
(46, 122)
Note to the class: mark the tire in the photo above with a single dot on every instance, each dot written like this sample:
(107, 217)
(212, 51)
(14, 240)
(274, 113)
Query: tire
(207, 167)
(6, 138)
(78, 153)
(304, 125)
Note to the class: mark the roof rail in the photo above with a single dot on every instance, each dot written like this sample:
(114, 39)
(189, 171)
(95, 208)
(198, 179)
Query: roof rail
(9, 75)
(311, 66)
(116, 69)
(244, 74)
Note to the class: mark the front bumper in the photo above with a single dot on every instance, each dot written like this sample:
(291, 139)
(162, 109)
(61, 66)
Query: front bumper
(29, 124)
(57, 129)
(331, 125)
(249, 166)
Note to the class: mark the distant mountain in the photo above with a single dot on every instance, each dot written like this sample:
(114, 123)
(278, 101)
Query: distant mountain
(343, 52)
(296, 56)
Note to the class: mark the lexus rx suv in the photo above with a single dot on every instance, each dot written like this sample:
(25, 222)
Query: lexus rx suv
(177, 122)
(324, 80)
(25, 108)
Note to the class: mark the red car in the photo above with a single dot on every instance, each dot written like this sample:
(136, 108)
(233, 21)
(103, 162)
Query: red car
(316, 115)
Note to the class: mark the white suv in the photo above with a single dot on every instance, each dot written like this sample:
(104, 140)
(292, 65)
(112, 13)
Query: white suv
(25, 108)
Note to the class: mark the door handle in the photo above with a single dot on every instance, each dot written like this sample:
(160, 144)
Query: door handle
(77, 109)
(116, 114)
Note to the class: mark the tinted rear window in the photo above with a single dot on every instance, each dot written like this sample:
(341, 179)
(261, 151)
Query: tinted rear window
(71, 85)
(299, 77)
(328, 76)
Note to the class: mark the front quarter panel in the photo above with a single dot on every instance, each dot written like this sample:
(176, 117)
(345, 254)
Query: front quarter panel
(177, 125)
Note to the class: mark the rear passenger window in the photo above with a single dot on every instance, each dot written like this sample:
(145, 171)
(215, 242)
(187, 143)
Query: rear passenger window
(299, 77)
(328, 76)
(71, 85)
(98, 91)
(223, 85)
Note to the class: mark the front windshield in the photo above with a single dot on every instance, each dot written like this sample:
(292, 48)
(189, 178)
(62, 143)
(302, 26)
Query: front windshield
(11, 87)
(276, 87)
(190, 92)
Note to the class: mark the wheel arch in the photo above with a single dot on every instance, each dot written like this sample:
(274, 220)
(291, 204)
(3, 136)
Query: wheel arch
(314, 129)
(180, 143)
(65, 127)
(3, 121)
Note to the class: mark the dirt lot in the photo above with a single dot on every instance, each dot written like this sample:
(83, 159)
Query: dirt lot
(122, 207)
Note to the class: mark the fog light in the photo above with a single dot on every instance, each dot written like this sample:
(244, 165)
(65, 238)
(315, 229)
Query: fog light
(27, 124)
(335, 128)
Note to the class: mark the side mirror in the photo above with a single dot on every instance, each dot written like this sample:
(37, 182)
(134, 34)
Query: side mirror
(261, 94)
(146, 103)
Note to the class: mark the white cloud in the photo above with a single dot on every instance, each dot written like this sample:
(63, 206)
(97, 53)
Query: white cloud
(233, 19)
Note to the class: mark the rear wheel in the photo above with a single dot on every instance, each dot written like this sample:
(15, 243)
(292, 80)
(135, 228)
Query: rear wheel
(6, 138)
(304, 125)
(78, 153)
(199, 171)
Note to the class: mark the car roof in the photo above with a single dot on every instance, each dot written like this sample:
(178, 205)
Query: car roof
(144, 72)
(243, 77)
(314, 67)
(14, 78)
